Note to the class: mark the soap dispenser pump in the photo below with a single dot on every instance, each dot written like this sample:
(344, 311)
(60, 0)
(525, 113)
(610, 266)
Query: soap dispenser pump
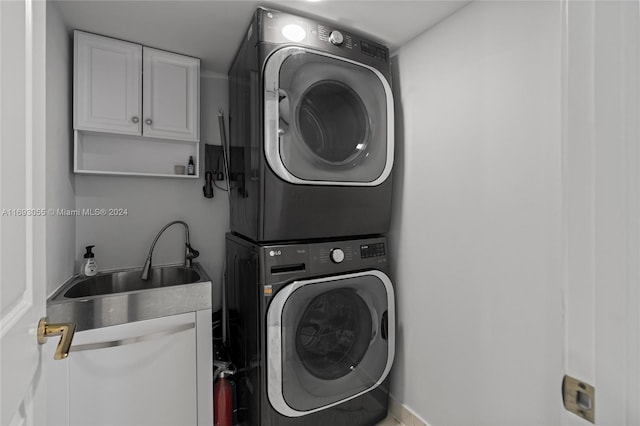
(89, 267)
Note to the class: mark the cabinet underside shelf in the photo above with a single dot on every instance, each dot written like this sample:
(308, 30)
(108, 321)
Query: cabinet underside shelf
(123, 155)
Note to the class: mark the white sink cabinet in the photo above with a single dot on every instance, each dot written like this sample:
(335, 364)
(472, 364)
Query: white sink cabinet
(136, 110)
(152, 372)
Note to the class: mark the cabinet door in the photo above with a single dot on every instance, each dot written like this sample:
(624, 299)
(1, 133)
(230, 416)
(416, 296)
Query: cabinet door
(171, 100)
(141, 373)
(107, 85)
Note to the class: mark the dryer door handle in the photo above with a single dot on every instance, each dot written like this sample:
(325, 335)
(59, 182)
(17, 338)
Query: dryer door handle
(384, 325)
(284, 112)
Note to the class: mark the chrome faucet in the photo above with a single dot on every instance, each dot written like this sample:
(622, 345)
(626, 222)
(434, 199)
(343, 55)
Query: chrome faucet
(189, 255)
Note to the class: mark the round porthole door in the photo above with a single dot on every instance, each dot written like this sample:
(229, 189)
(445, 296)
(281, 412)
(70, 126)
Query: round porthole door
(328, 121)
(333, 333)
(329, 340)
(333, 124)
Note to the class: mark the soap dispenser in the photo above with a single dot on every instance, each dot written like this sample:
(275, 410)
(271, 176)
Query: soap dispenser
(89, 267)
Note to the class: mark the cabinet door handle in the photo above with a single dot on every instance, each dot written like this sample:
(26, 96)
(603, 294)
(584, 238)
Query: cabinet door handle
(148, 121)
(131, 340)
(65, 331)
(135, 120)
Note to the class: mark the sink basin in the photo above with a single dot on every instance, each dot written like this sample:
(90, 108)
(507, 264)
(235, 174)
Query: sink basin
(119, 297)
(123, 281)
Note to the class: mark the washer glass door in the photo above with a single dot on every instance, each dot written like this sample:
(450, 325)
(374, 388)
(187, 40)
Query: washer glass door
(334, 341)
(328, 120)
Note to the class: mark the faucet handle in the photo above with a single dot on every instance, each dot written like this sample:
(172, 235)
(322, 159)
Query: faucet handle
(191, 252)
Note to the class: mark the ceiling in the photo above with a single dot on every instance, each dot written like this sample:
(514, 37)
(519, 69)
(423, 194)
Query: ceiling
(212, 29)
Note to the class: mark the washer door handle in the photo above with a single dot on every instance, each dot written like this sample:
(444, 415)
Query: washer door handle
(384, 325)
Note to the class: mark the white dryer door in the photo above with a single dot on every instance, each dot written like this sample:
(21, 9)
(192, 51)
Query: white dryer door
(329, 340)
(328, 120)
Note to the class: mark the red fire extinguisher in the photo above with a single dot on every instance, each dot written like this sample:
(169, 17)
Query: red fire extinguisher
(223, 400)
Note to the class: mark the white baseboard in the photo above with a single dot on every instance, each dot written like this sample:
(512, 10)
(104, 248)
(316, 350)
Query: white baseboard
(404, 414)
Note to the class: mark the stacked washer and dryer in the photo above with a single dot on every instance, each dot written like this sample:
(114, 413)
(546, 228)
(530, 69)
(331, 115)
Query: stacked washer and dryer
(312, 308)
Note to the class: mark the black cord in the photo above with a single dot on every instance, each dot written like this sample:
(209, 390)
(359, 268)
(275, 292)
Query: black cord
(219, 165)
(215, 184)
(217, 171)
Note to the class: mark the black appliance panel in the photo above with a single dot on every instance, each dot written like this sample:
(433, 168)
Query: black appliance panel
(264, 207)
(250, 288)
(286, 262)
(316, 34)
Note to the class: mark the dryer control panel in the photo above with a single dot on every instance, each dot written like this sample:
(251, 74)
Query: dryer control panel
(284, 28)
(294, 261)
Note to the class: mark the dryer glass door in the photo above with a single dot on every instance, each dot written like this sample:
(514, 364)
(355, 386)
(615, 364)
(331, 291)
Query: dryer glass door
(334, 341)
(328, 120)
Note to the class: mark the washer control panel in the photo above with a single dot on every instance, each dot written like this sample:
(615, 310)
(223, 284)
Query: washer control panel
(294, 261)
(372, 250)
(347, 255)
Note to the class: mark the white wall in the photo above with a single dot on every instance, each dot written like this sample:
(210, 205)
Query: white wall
(151, 202)
(124, 241)
(477, 217)
(60, 179)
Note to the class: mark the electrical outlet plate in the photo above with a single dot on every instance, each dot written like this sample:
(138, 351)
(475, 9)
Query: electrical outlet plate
(579, 398)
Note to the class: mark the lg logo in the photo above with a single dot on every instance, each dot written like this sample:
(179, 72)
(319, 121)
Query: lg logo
(275, 253)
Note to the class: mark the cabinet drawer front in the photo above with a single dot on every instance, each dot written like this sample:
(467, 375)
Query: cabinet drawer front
(107, 85)
(171, 95)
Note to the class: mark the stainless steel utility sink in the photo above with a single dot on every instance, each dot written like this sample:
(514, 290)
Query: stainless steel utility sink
(119, 297)
(124, 281)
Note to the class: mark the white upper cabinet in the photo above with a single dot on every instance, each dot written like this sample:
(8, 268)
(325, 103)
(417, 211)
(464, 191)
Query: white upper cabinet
(126, 99)
(108, 83)
(125, 88)
(170, 95)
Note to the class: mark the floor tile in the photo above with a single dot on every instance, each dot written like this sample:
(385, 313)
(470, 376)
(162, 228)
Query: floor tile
(389, 421)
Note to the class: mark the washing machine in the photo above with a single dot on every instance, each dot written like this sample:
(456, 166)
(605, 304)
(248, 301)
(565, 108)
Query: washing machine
(311, 131)
(313, 335)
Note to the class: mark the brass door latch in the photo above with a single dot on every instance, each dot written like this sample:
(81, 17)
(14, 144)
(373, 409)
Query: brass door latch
(579, 398)
(66, 331)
